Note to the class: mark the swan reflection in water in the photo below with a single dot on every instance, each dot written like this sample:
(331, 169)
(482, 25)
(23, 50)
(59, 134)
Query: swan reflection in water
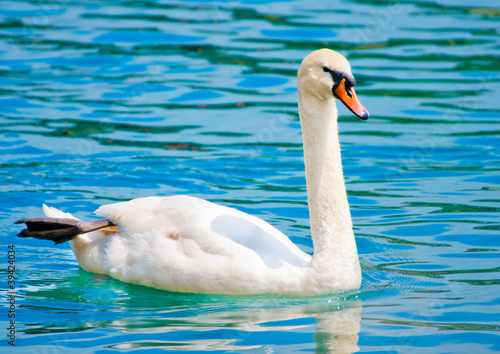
(334, 325)
(126, 316)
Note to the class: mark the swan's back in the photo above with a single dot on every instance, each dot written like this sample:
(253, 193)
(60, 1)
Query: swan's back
(183, 243)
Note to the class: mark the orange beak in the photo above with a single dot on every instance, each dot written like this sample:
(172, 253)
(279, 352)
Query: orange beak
(345, 93)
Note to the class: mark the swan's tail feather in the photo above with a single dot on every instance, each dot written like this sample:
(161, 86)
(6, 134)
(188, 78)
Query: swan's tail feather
(59, 230)
(52, 212)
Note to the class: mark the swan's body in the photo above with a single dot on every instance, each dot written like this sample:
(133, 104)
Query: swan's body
(186, 244)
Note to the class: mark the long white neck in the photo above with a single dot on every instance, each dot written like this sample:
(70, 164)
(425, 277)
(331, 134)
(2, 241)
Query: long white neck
(330, 218)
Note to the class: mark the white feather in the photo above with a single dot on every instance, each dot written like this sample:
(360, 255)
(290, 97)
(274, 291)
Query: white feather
(56, 213)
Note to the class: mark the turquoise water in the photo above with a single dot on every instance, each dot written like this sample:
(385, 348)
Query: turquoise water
(105, 101)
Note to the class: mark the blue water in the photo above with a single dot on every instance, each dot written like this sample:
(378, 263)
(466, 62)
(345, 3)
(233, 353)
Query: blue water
(104, 101)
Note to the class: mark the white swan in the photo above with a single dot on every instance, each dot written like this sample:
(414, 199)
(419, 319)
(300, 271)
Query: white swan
(186, 244)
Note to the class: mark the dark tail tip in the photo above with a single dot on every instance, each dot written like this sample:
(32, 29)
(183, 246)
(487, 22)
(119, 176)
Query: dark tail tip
(53, 229)
(59, 230)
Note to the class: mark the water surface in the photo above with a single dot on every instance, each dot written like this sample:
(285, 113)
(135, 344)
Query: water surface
(105, 101)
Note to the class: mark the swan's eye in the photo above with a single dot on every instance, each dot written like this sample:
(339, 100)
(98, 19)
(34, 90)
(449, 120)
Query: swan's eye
(336, 76)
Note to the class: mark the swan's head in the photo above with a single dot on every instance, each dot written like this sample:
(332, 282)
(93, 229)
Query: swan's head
(326, 74)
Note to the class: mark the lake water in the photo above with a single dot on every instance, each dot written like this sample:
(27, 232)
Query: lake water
(104, 101)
